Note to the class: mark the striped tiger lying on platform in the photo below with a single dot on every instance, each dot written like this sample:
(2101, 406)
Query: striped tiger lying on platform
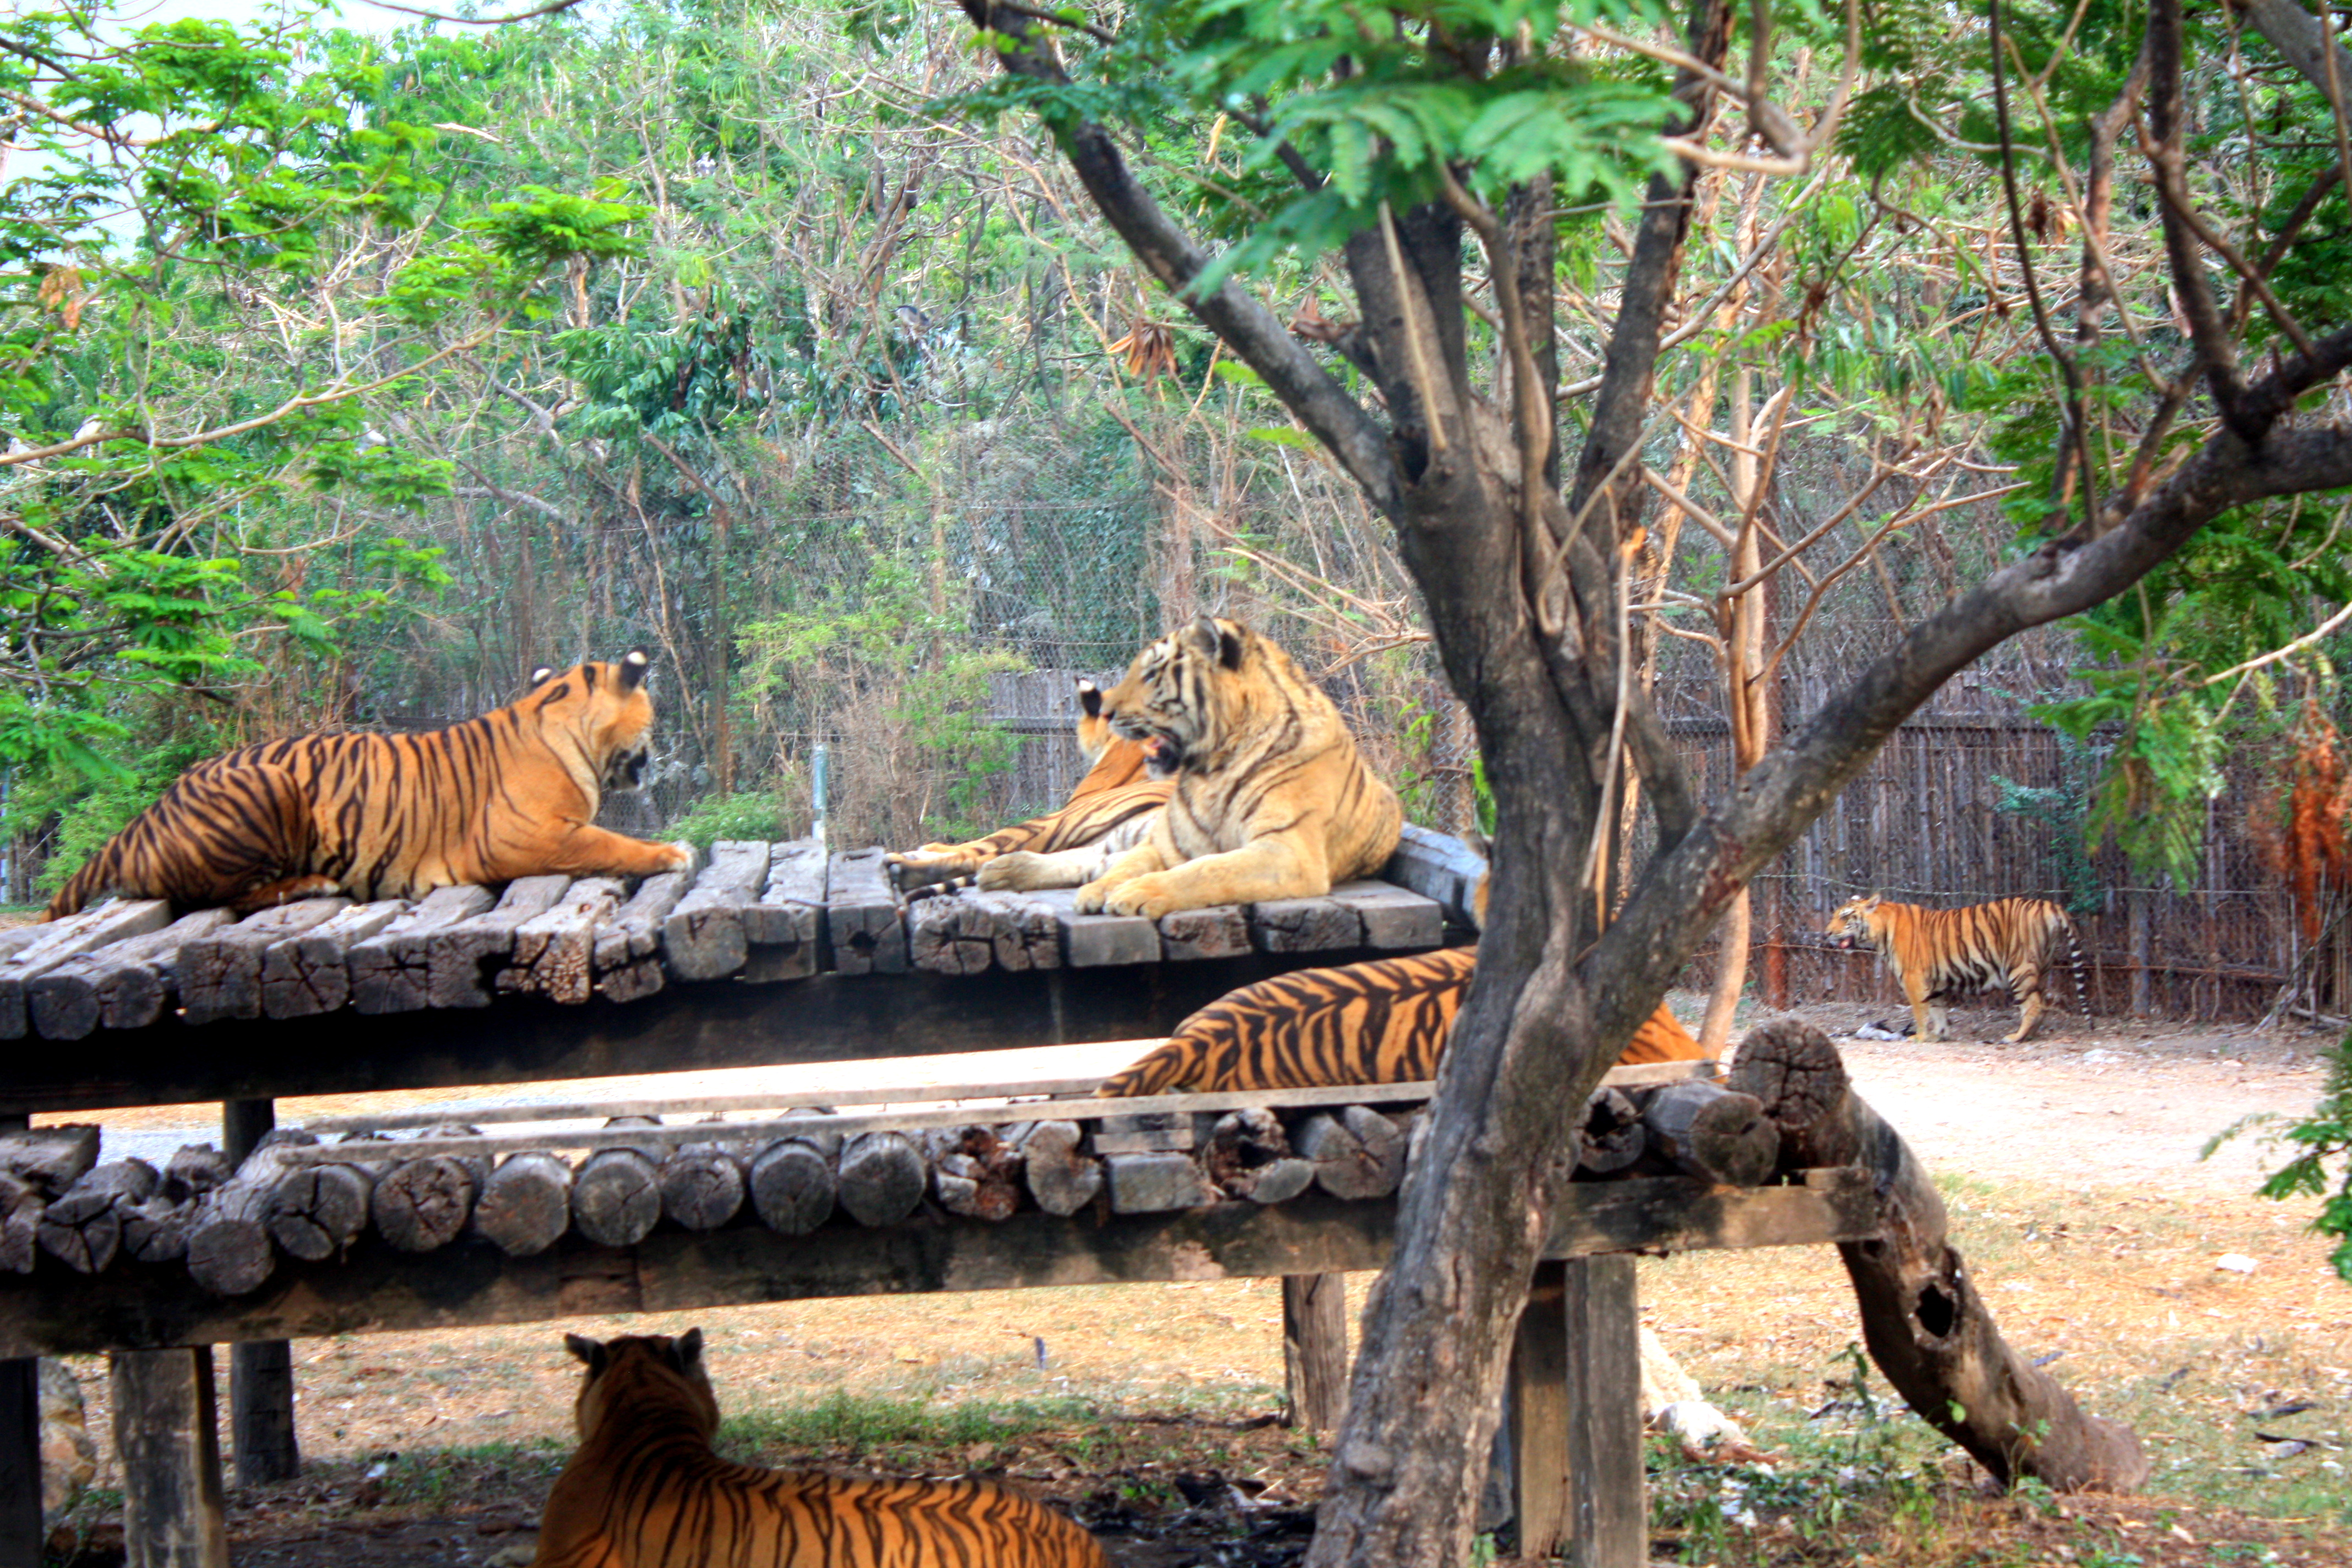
(645, 1491)
(1382, 1021)
(1941, 953)
(1113, 807)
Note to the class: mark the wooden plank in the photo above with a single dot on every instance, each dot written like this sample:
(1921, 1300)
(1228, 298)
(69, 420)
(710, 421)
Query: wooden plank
(461, 959)
(309, 973)
(1304, 925)
(1396, 919)
(1436, 866)
(1535, 1406)
(1609, 1513)
(471, 1282)
(220, 975)
(554, 950)
(628, 948)
(120, 986)
(261, 1412)
(1091, 942)
(1315, 1349)
(22, 1541)
(786, 927)
(969, 932)
(865, 923)
(1220, 930)
(17, 939)
(703, 937)
(392, 972)
(69, 939)
(166, 1437)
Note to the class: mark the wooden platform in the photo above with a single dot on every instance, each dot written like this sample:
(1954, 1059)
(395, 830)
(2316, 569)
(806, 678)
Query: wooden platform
(770, 953)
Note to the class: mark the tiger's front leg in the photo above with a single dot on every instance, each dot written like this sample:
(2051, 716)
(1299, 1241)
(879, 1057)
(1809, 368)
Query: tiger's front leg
(2029, 1006)
(1145, 860)
(1027, 871)
(588, 851)
(1927, 1015)
(1272, 867)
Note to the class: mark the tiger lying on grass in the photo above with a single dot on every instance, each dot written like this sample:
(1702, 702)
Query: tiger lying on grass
(512, 794)
(645, 1491)
(1941, 953)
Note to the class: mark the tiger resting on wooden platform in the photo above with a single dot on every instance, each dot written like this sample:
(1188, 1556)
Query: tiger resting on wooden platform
(645, 1491)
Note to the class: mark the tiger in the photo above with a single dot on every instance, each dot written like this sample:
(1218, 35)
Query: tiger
(512, 794)
(1385, 1021)
(1941, 953)
(646, 1490)
(1112, 805)
(1272, 799)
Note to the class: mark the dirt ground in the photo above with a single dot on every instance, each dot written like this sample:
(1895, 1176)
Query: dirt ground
(2077, 1191)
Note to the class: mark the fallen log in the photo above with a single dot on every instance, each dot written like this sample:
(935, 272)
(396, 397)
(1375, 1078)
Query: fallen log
(51, 1158)
(1922, 1319)
(1359, 1154)
(616, 1198)
(526, 1205)
(422, 1205)
(83, 1230)
(976, 1171)
(1713, 1134)
(317, 1211)
(1062, 1177)
(702, 1185)
(20, 1222)
(1613, 1136)
(156, 1229)
(882, 1178)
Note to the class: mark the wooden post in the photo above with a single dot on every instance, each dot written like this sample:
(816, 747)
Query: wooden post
(21, 1537)
(1537, 1410)
(261, 1374)
(167, 1442)
(1315, 1349)
(1612, 1512)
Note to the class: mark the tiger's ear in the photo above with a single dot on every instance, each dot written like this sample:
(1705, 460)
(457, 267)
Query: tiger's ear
(540, 675)
(1220, 640)
(633, 664)
(690, 1350)
(589, 1350)
(1870, 904)
(1090, 698)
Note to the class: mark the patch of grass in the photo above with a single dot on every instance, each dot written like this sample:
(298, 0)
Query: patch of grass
(446, 1478)
(858, 1423)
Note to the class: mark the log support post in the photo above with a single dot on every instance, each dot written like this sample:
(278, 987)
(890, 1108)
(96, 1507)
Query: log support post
(260, 1375)
(168, 1444)
(1576, 1416)
(1315, 1349)
(21, 1538)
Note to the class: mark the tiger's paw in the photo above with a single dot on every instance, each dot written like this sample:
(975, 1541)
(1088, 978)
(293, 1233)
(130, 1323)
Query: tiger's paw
(1021, 871)
(1147, 895)
(684, 857)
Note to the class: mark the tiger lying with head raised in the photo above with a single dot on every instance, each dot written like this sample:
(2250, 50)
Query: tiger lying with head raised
(1386, 1021)
(512, 794)
(646, 1490)
(1937, 955)
(1110, 810)
(1272, 800)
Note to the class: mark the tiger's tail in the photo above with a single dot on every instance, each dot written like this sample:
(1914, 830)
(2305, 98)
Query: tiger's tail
(2075, 956)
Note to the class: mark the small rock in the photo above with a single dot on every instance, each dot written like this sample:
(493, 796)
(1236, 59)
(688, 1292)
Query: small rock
(69, 1456)
(2235, 1263)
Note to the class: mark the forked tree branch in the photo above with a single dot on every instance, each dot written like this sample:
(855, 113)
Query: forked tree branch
(1247, 327)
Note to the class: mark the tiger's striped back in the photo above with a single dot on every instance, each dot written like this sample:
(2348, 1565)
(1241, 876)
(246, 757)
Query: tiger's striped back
(1385, 1021)
(645, 1491)
(512, 794)
(1937, 955)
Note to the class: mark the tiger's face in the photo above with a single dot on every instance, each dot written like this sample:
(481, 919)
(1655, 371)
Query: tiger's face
(1849, 928)
(606, 705)
(1169, 703)
(643, 1370)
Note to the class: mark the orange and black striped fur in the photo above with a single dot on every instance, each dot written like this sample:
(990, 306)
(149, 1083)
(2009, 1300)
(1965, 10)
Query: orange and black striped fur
(645, 1491)
(1941, 953)
(512, 794)
(1110, 804)
(1273, 800)
(1382, 1021)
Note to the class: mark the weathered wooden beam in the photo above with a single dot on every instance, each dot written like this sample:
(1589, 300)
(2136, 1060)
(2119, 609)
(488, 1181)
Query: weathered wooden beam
(786, 927)
(554, 950)
(1712, 1132)
(83, 1230)
(1395, 920)
(526, 1205)
(122, 986)
(794, 1189)
(62, 941)
(220, 975)
(628, 953)
(1093, 942)
(1436, 866)
(462, 960)
(51, 1158)
(260, 1371)
(392, 972)
(829, 1018)
(1608, 1516)
(1220, 930)
(24, 1544)
(309, 973)
(471, 1282)
(167, 1441)
(866, 924)
(703, 938)
(967, 933)
(1304, 925)
(1315, 1349)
